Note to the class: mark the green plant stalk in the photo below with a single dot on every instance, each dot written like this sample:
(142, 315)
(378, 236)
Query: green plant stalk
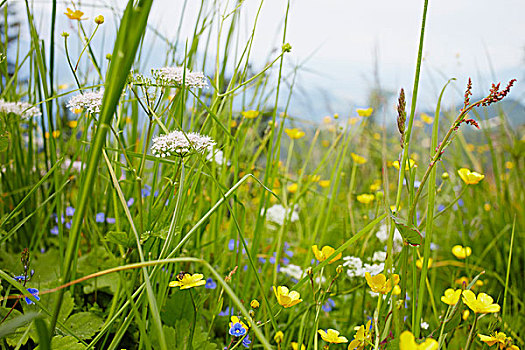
(132, 28)
(430, 219)
(503, 312)
(406, 146)
(469, 339)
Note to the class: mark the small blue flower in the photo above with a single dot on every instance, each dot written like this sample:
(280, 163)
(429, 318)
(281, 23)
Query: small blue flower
(210, 284)
(68, 224)
(20, 278)
(246, 341)
(289, 253)
(146, 191)
(226, 312)
(54, 230)
(231, 244)
(130, 202)
(285, 261)
(156, 194)
(61, 217)
(441, 207)
(110, 220)
(70, 211)
(286, 245)
(328, 306)
(460, 202)
(33, 292)
(261, 260)
(100, 217)
(237, 330)
(417, 184)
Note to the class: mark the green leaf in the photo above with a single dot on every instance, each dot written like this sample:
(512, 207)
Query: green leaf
(177, 307)
(120, 238)
(4, 141)
(410, 233)
(18, 334)
(177, 338)
(64, 343)
(13, 323)
(84, 324)
(67, 304)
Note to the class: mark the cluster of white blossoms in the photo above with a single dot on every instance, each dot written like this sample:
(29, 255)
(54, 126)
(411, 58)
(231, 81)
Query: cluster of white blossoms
(90, 101)
(277, 214)
(356, 267)
(382, 235)
(293, 271)
(177, 76)
(23, 109)
(178, 143)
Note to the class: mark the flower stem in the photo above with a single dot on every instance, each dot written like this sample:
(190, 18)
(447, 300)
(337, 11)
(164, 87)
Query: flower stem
(469, 340)
(190, 340)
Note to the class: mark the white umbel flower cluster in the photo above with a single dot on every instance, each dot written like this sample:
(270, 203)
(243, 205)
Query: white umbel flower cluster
(178, 143)
(23, 109)
(277, 214)
(90, 101)
(175, 76)
(356, 267)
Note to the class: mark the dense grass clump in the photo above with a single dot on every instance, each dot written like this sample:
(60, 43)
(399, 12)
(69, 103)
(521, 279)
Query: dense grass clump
(181, 206)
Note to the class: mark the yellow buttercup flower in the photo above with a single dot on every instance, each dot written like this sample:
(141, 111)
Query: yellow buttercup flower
(72, 124)
(379, 283)
(464, 280)
(470, 177)
(396, 290)
(75, 15)
(188, 281)
(278, 337)
(285, 298)
(365, 198)
(327, 120)
(461, 252)
(325, 253)
(483, 304)
(362, 338)
(251, 114)
(376, 185)
(294, 133)
(332, 336)
(295, 346)
(499, 338)
(358, 159)
(426, 118)
(465, 315)
(407, 341)
(292, 188)
(419, 263)
(324, 183)
(353, 120)
(254, 304)
(325, 143)
(451, 296)
(364, 112)
(409, 165)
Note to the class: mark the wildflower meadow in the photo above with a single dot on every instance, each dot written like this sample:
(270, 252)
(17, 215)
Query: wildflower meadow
(182, 206)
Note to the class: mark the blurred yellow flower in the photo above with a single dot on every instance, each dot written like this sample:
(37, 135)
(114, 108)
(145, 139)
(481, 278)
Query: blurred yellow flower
(418, 124)
(487, 207)
(75, 15)
(72, 124)
(352, 120)
(324, 183)
(470, 147)
(325, 253)
(295, 346)
(461, 252)
(254, 304)
(315, 178)
(376, 185)
(63, 86)
(188, 281)
(509, 165)
(233, 124)
(332, 336)
(285, 298)
(470, 178)
(409, 164)
(327, 120)
(358, 159)
(364, 112)
(251, 114)
(325, 143)
(294, 133)
(396, 290)
(419, 263)
(376, 136)
(362, 338)
(365, 198)
(292, 188)
(407, 341)
(99, 19)
(483, 304)
(379, 283)
(426, 118)
(451, 296)
(499, 338)
(465, 315)
(278, 337)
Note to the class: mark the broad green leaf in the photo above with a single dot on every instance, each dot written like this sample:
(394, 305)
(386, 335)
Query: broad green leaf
(64, 343)
(84, 324)
(410, 234)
